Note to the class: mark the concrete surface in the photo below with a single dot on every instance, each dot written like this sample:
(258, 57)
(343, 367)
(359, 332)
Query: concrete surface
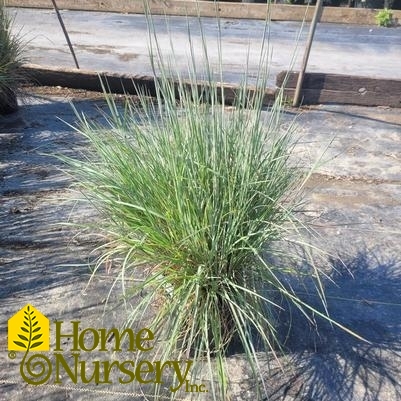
(118, 43)
(353, 202)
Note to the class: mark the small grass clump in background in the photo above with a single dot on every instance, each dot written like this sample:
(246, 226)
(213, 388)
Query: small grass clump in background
(11, 57)
(384, 18)
(196, 199)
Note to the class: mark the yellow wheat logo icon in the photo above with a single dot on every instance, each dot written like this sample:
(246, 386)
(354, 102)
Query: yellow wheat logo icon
(29, 330)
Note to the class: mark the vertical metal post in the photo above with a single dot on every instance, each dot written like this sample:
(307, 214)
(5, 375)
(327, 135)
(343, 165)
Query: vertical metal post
(315, 19)
(65, 32)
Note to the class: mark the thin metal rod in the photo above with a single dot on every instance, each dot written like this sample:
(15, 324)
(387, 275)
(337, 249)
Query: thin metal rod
(65, 32)
(315, 19)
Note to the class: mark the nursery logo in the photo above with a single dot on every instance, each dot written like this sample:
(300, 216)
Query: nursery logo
(29, 332)
(28, 329)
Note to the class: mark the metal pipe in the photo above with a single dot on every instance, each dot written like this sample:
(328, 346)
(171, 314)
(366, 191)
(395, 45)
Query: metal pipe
(315, 19)
(65, 33)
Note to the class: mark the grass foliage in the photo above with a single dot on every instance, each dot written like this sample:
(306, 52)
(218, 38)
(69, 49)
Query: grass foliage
(11, 57)
(384, 18)
(194, 197)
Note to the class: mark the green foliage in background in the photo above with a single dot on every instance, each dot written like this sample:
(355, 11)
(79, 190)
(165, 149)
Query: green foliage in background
(384, 18)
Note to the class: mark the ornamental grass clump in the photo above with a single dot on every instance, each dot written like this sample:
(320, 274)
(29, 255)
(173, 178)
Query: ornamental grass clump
(11, 58)
(196, 198)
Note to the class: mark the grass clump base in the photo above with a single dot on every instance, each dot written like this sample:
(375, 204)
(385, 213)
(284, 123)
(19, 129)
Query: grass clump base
(195, 199)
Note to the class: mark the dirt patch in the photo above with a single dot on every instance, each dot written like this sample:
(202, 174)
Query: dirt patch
(64, 93)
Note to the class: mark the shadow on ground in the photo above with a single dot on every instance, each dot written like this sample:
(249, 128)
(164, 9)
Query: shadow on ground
(335, 366)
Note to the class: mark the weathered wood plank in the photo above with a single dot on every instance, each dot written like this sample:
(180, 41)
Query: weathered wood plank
(313, 96)
(375, 92)
(117, 83)
(278, 12)
(340, 82)
(344, 89)
(81, 79)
